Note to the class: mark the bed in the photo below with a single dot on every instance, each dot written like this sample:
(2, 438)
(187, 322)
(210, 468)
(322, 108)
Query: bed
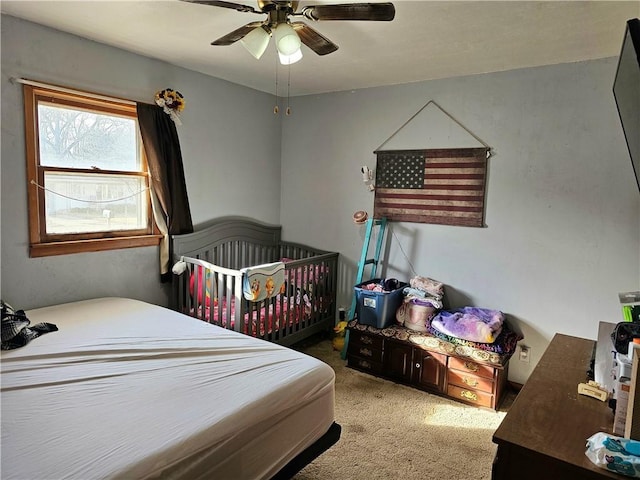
(125, 389)
(211, 267)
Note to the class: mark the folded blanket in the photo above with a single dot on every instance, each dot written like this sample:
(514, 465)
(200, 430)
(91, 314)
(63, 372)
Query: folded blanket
(504, 344)
(416, 294)
(263, 281)
(470, 323)
(428, 285)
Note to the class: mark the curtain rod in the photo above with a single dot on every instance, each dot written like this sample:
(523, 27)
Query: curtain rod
(24, 81)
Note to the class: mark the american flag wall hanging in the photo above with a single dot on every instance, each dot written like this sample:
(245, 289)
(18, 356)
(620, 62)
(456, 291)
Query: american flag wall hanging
(442, 186)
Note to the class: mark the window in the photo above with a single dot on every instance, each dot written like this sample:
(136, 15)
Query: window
(87, 175)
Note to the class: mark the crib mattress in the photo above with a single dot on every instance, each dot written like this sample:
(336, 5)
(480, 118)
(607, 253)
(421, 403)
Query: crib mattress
(126, 389)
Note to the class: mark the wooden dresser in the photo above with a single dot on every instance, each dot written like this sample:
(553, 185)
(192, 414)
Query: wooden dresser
(544, 432)
(428, 363)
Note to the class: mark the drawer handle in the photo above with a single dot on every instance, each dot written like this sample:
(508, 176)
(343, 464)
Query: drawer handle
(364, 364)
(469, 395)
(366, 352)
(366, 340)
(472, 382)
(471, 366)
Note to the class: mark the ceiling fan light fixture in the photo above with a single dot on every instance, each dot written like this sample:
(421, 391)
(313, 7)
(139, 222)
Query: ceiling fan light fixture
(287, 40)
(256, 41)
(290, 59)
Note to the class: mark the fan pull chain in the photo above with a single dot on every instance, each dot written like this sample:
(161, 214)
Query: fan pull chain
(288, 88)
(276, 109)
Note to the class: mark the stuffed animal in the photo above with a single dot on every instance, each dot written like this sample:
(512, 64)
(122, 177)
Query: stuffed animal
(340, 332)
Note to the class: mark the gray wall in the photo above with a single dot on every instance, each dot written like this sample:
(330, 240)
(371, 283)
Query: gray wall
(562, 235)
(563, 211)
(230, 145)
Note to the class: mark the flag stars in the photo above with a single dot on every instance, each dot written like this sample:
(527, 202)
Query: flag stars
(401, 171)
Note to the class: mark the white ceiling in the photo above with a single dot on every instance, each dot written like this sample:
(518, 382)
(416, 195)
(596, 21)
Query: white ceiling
(426, 40)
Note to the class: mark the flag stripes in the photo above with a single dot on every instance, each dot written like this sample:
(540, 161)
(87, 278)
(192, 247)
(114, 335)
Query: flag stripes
(454, 176)
(443, 186)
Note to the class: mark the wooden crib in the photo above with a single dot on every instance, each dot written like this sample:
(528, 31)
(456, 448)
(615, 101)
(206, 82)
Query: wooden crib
(208, 283)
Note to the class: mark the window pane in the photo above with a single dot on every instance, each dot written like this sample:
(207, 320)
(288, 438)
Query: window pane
(79, 139)
(79, 203)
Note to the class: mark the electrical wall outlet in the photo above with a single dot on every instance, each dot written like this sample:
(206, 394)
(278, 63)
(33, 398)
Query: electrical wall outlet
(525, 354)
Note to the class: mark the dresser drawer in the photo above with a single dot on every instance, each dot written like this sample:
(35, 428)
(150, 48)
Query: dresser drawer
(469, 395)
(470, 380)
(365, 352)
(365, 364)
(365, 339)
(471, 367)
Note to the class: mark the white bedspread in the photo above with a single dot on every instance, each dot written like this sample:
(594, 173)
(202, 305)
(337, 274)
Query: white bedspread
(130, 390)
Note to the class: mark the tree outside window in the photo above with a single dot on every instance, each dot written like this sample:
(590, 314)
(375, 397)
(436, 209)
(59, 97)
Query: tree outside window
(88, 178)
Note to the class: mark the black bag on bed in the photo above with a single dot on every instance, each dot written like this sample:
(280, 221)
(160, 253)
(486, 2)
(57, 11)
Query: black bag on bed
(623, 333)
(15, 328)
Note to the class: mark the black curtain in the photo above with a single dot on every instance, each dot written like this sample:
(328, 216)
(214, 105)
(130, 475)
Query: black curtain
(162, 147)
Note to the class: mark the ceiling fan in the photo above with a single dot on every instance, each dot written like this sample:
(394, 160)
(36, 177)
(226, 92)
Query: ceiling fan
(289, 35)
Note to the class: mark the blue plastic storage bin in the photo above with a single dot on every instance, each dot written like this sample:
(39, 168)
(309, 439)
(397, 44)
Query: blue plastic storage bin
(378, 309)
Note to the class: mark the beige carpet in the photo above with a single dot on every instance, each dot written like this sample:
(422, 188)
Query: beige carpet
(390, 431)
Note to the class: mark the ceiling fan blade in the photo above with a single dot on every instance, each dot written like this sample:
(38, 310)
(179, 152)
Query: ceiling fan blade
(313, 39)
(233, 6)
(236, 35)
(351, 11)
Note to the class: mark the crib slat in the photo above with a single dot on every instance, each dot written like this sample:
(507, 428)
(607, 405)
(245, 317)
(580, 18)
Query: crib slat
(308, 305)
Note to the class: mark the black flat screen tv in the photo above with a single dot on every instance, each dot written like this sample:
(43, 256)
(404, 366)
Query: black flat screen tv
(626, 90)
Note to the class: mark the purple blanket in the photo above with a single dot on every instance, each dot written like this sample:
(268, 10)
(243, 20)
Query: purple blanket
(505, 343)
(470, 323)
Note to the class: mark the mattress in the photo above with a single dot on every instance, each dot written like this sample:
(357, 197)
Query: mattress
(125, 389)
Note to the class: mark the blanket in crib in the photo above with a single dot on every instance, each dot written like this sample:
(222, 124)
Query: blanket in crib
(470, 323)
(307, 273)
(284, 311)
(263, 281)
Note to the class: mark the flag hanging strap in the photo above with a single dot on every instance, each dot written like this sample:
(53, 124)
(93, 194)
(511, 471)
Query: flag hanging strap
(448, 115)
